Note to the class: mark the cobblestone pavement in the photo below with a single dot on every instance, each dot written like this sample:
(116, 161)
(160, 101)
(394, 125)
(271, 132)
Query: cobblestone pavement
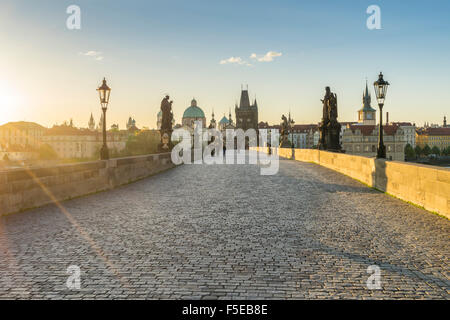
(226, 232)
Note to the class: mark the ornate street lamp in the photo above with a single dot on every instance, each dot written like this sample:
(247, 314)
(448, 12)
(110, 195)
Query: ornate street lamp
(104, 92)
(381, 87)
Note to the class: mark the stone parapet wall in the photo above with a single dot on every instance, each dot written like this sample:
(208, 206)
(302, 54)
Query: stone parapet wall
(22, 189)
(423, 185)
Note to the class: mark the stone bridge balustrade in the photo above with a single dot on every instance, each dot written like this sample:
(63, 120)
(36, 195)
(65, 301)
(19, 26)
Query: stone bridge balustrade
(22, 189)
(423, 185)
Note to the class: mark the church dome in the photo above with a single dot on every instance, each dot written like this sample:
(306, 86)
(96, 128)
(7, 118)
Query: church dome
(193, 111)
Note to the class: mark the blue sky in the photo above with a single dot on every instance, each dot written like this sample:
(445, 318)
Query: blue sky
(150, 48)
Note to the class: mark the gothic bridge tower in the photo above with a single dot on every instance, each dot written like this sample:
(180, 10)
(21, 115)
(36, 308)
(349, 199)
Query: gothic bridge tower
(246, 113)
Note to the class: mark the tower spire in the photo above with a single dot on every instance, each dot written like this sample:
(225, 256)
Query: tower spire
(366, 97)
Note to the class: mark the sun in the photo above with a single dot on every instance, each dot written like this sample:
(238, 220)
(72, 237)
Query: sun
(9, 102)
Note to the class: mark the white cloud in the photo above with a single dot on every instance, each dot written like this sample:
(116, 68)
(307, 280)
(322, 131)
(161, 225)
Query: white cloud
(94, 54)
(91, 53)
(235, 60)
(268, 57)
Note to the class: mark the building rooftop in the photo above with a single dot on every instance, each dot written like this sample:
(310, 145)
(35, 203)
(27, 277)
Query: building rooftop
(368, 130)
(68, 131)
(434, 132)
(22, 125)
(193, 111)
(403, 124)
(224, 120)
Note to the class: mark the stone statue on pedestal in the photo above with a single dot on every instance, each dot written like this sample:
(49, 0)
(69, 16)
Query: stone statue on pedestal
(166, 125)
(329, 127)
(284, 134)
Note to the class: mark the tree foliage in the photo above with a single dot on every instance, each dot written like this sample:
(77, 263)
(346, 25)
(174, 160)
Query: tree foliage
(409, 152)
(446, 151)
(418, 150)
(426, 150)
(435, 150)
(144, 142)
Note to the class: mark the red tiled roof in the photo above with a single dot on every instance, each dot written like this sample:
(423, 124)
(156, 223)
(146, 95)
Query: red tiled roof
(367, 130)
(435, 131)
(404, 124)
(306, 127)
(390, 130)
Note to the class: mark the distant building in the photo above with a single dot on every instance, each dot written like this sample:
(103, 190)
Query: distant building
(21, 135)
(431, 125)
(212, 123)
(91, 123)
(226, 123)
(193, 113)
(409, 130)
(131, 124)
(303, 136)
(246, 113)
(367, 115)
(343, 127)
(71, 142)
(362, 140)
(100, 123)
(158, 120)
(439, 137)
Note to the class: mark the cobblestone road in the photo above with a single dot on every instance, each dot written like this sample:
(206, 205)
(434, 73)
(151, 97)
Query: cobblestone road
(224, 231)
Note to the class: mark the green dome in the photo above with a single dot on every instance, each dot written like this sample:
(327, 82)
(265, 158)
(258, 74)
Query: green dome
(193, 111)
(224, 120)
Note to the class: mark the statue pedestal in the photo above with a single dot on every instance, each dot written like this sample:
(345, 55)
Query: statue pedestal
(166, 144)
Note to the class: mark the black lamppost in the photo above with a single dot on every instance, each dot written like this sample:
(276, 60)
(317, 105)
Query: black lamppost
(104, 92)
(381, 87)
(291, 122)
